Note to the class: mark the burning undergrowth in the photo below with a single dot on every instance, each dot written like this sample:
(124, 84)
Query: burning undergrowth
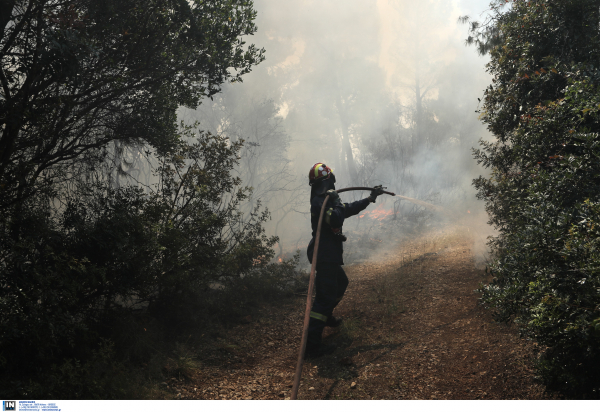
(383, 227)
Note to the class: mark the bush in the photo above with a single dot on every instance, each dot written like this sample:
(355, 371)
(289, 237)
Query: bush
(543, 192)
(108, 252)
(80, 252)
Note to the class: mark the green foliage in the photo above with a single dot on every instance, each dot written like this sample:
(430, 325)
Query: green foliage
(543, 192)
(232, 299)
(92, 270)
(77, 272)
(78, 74)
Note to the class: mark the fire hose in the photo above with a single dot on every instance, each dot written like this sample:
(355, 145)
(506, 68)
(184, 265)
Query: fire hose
(311, 285)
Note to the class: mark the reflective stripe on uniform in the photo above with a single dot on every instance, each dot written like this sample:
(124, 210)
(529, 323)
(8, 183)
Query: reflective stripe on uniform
(328, 216)
(318, 316)
(316, 169)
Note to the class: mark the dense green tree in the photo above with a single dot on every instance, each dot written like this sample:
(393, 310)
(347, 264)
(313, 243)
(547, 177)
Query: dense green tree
(81, 80)
(110, 251)
(543, 108)
(77, 74)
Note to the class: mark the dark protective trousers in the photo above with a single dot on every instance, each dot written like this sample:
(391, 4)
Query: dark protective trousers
(330, 284)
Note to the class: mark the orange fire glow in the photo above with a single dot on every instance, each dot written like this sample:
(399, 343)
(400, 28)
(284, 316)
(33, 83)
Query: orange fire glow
(379, 213)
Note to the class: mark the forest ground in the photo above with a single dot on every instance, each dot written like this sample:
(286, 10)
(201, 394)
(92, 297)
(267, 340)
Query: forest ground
(413, 329)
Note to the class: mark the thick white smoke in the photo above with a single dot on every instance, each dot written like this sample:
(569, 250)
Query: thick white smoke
(384, 92)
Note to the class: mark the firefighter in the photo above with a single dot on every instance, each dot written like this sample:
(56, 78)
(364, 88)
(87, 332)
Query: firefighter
(331, 280)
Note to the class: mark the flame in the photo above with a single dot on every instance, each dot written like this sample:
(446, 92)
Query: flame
(378, 213)
(280, 260)
(468, 211)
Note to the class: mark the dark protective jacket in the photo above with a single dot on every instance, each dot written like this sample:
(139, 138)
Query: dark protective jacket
(331, 248)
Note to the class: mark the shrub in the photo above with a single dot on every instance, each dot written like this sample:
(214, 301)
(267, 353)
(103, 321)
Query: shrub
(543, 192)
(108, 252)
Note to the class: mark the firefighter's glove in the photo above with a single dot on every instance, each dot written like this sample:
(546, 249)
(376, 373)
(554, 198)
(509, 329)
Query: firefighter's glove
(333, 196)
(338, 234)
(377, 190)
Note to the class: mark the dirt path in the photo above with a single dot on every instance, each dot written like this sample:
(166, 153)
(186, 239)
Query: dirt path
(412, 330)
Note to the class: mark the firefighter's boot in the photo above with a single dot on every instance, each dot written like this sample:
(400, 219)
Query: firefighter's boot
(333, 322)
(314, 347)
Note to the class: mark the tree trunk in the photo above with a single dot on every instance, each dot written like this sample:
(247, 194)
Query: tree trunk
(346, 146)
